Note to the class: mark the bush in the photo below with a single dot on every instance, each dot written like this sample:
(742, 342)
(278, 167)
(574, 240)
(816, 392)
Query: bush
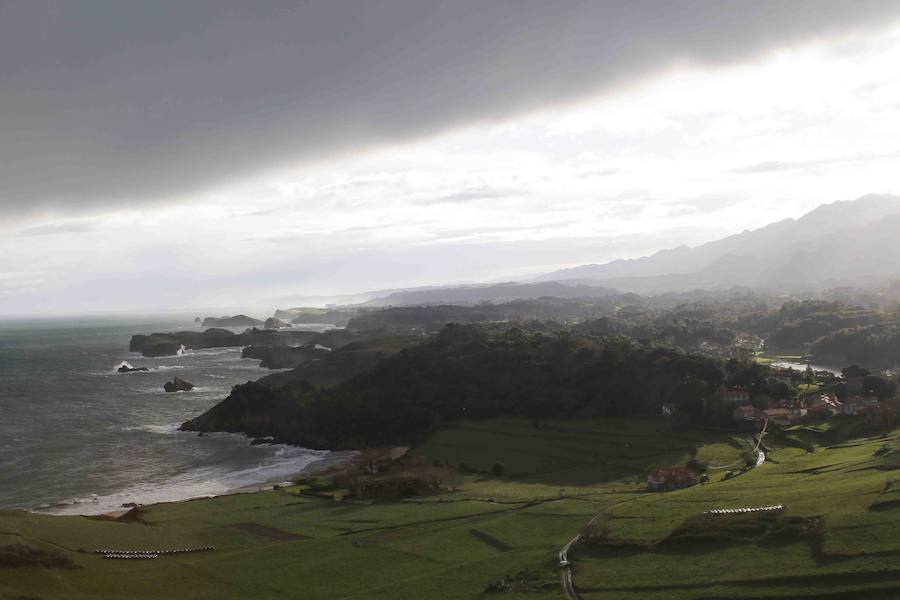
(23, 555)
(498, 469)
(596, 532)
(697, 466)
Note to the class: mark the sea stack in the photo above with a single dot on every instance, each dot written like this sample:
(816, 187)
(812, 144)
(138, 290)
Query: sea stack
(178, 385)
(274, 323)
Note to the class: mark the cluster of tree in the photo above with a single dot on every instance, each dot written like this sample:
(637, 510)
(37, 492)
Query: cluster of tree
(875, 345)
(707, 322)
(676, 328)
(434, 317)
(872, 384)
(798, 324)
(474, 372)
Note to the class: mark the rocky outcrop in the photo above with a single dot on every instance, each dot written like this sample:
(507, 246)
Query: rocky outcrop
(178, 385)
(127, 368)
(258, 411)
(235, 321)
(282, 358)
(169, 344)
(333, 367)
(319, 316)
(273, 323)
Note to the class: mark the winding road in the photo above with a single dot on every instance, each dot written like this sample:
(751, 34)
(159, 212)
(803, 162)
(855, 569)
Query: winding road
(566, 576)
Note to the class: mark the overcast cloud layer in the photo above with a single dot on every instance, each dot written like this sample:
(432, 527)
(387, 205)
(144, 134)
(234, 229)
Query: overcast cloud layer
(107, 103)
(194, 155)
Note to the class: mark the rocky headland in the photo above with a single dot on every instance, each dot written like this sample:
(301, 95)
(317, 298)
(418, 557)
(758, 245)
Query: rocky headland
(235, 321)
(170, 344)
(276, 357)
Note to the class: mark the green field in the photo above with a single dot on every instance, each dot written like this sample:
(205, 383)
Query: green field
(839, 537)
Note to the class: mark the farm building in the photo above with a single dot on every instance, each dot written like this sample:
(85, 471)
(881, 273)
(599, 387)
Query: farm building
(662, 480)
(738, 396)
(822, 405)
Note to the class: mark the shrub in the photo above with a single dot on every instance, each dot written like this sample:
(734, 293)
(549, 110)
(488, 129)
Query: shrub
(22, 555)
(498, 469)
(596, 532)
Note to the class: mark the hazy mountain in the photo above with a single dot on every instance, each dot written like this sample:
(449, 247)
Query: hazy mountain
(502, 292)
(855, 242)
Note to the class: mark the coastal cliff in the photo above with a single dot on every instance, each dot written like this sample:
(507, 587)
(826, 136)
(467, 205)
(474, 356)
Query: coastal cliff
(276, 357)
(169, 344)
(235, 321)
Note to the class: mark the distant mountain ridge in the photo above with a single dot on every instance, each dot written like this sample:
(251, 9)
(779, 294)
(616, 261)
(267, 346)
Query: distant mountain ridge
(852, 242)
(501, 292)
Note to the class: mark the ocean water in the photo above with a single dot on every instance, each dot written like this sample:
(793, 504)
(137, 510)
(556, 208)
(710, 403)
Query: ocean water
(77, 437)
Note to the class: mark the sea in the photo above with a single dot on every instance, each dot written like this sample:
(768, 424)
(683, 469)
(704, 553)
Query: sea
(77, 437)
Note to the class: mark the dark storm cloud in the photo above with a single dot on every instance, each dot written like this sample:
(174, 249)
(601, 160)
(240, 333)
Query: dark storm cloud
(104, 103)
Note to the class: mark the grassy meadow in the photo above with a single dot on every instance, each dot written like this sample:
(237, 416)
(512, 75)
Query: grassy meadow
(839, 536)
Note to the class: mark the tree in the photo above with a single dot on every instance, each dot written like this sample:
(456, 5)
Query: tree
(854, 371)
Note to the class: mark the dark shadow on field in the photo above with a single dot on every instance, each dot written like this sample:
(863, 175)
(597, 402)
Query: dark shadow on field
(802, 582)
(568, 455)
(490, 540)
(267, 532)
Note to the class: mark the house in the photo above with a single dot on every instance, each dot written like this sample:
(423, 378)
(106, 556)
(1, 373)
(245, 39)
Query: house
(823, 405)
(744, 413)
(779, 416)
(662, 480)
(738, 396)
(857, 405)
(782, 403)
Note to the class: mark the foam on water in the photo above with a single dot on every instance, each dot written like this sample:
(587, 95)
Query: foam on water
(77, 437)
(196, 483)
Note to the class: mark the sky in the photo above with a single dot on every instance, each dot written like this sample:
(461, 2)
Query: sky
(208, 155)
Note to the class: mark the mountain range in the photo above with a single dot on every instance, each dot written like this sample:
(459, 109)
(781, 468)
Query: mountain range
(850, 243)
(853, 243)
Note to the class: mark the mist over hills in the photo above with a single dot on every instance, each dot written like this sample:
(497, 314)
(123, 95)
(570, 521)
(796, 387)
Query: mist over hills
(502, 292)
(854, 242)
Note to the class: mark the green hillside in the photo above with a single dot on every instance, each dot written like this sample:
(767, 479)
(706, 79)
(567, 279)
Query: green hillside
(839, 536)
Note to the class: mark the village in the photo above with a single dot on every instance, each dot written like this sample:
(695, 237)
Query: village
(803, 398)
(819, 396)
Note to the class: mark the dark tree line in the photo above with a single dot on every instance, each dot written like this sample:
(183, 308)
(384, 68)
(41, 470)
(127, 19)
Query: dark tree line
(470, 371)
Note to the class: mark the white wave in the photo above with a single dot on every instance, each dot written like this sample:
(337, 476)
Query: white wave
(167, 429)
(115, 369)
(212, 351)
(198, 483)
